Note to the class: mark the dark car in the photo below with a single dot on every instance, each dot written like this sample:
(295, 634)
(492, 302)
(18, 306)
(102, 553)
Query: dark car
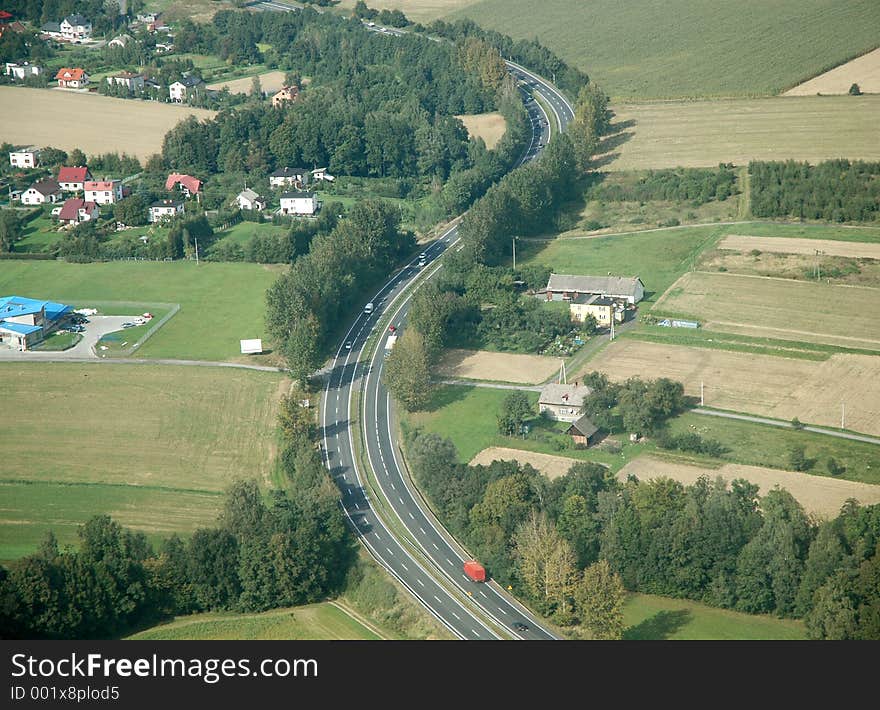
(520, 626)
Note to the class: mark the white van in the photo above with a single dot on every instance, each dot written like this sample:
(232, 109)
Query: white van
(368, 309)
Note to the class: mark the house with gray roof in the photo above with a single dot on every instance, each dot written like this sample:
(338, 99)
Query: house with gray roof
(563, 402)
(566, 287)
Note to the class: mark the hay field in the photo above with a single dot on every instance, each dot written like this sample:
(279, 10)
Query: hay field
(783, 245)
(488, 126)
(95, 124)
(415, 10)
(270, 82)
(778, 308)
(548, 464)
(819, 495)
(864, 71)
(704, 133)
(499, 367)
(766, 385)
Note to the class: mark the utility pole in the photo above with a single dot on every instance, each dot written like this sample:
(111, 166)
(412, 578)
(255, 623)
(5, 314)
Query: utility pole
(702, 401)
(843, 415)
(197, 250)
(514, 253)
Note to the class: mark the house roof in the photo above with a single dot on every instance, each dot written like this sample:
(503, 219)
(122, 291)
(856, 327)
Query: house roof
(19, 306)
(294, 195)
(583, 426)
(70, 74)
(126, 75)
(49, 186)
(70, 209)
(100, 184)
(249, 194)
(20, 328)
(571, 395)
(188, 181)
(73, 174)
(51, 27)
(5, 16)
(77, 19)
(614, 285)
(166, 203)
(122, 39)
(592, 299)
(189, 81)
(290, 172)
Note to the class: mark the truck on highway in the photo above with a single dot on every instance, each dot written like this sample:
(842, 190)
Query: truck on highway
(389, 344)
(475, 571)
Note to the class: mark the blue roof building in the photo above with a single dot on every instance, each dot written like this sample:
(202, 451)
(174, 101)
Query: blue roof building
(25, 321)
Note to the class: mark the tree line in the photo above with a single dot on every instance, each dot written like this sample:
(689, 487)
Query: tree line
(695, 185)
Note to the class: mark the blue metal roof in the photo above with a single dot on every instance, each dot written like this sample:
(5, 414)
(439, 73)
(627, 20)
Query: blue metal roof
(20, 306)
(19, 328)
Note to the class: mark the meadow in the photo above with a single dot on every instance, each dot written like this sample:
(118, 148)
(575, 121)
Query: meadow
(220, 303)
(152, 446)
(415, 10)
(687, 48)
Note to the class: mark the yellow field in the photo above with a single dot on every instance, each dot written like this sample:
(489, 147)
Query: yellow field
(488, 126)
(500, 367)
(778, 308)
(95, 124)
(767, 385)
(864, 71)
(704, 133)
(819, 495)
(270, 82)
(551, 466)
(783, 245)
(416, 10)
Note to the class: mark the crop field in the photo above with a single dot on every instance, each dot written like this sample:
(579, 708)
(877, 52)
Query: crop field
(270, 82)
(488, 126)
(30, 116)
(197, 10)
(778, 308)
(220, 304)
(778, 387)
(416, 10)
(864, 71)
(500, 367)
(320, 622)
(705, 133)
(548, 464)
(152, 446)
(831, 247)
(686, 48)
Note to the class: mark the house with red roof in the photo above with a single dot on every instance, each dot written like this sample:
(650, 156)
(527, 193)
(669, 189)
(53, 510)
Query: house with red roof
(72, 179)
(72, 78)
(104, 192)
(76, 210)
(185, 183)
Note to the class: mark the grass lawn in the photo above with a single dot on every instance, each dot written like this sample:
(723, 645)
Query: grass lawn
(155, 445)
(313, 622)
(40, 234)
(59, 341)
(242, 232)
(221, 303)
(649, 617)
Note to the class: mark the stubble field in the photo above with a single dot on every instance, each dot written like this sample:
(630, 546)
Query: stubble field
(782, 245)
(488, 126)
(499, 367)
(270, 82)
(864, 71)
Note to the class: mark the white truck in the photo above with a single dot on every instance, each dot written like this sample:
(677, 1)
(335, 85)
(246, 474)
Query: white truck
(389, 344)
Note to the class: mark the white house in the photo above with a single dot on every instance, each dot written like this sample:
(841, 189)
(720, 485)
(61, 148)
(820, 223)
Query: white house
(104, 192)
(147, 17)
(299, 203)
(72, 78)
(322, 175)
(41, 192)
(130, 80)
(73, 179)
(565, 287)
(20, 72)
(27, 158)
(76, 28)
(297, 177)
(563, 402)
(247, 199)
(165, 209)
(181, 90)
(76, 210)
(51, 29)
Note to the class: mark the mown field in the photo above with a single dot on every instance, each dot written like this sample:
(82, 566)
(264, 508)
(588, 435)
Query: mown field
(684, 48)
(153, 446)
(416, 10)
(864, 71)
(220, 304)
(319, 622)
(488, 126)
(31, 117)
(704, 133)
(270, 82)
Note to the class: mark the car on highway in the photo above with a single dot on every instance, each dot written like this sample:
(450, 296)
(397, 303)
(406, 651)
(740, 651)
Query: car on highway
(392, 328)
(520, 626)
(348, 345)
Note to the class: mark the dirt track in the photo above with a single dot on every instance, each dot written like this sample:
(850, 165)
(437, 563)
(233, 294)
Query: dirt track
(786, 245)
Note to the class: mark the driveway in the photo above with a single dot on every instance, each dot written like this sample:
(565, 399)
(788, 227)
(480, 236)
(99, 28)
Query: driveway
(95, 329)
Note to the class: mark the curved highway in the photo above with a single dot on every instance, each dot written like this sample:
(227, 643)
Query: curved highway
(359, 434)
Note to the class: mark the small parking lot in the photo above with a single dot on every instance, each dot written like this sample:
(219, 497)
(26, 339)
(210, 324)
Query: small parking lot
(95, 329)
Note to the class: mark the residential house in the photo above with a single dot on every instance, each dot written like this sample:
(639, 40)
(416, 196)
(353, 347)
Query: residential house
(104, 192)
(76, 28)
(76, 210)
(73, 179)
(120, 40)
(285, 95)
(26, 158)
(321, 175)
(164, 47)
(187, 184)
(183, 89)
(147, 17)
(72, 78)
(564, 287)
(51, 29)
(293, 177)
(583, 432)
(130, 80)
(15, 26)
(20, 72)
(165, 209)
(298, 203)
(563, 402)
(247, 199)
(47, 190)
(601, 308)
(24, 322)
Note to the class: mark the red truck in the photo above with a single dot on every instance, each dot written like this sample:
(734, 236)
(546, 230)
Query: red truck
(475, 571)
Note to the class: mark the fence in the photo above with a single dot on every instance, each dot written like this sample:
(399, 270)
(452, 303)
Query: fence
(172, 309)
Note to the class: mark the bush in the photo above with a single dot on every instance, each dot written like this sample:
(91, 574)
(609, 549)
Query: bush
(834, 467)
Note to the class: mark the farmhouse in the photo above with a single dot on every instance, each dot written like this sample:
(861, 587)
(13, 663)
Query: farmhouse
(295, 177)
(164, 209)
(298, 203)
(76, 28)
(25, 321)
(22, 71)
(120, 40)
(601, 308)
(564, 287)
(104, 192)
(583, 432)
(76, 210)
(286, 95)
(187, 184)
(322, 175)
(51, 29)
(130, 80)
(563, 402)
(247, 199)
(184, 88)
(47, 190)
(73, 179)
(27, 158)
(72, 78)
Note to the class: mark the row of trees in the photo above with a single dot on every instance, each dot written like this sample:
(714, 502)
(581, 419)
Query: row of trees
(695, 185)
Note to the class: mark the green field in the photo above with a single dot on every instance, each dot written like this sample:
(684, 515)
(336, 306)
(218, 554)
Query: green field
(320, 622)
(683, 48)
(152, 446)
(220, 303)
(242, 232)
(653, 618)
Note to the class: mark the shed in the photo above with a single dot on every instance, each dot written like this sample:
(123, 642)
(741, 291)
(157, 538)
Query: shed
(583, 431)
(251, 347)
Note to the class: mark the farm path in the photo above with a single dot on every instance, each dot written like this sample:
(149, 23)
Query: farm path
(145, 361)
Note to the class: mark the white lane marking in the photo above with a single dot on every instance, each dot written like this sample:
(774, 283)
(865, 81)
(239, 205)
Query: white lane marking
(455, 615)
(439, 601)
(389, 550)
(420, 581)
(483, 594)
(435, 545)
(423, 531)
(404, 566)
(450, 562)
(400, 499)
(501, 610)
(474, 632)
(411, 516)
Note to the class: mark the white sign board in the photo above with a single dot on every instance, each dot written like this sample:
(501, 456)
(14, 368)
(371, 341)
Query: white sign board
(251, 347)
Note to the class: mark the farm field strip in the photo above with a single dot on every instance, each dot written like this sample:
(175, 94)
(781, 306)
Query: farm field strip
(499, 367)
(784, 245)
(270, 82)
(491, 127)
(864, 71)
